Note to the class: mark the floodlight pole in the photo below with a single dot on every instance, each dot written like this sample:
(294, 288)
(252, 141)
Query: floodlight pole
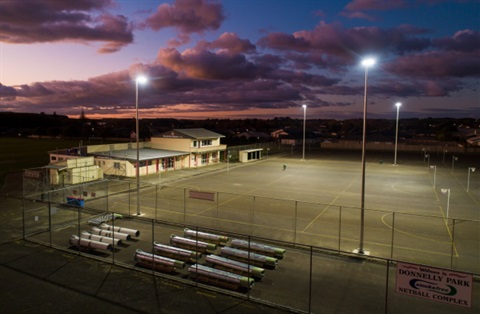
(139, 79)
(448, 201)
(470, 169)
(434, 174)
(366, 63)
(304, 118)
(398, 104)
(454, 158)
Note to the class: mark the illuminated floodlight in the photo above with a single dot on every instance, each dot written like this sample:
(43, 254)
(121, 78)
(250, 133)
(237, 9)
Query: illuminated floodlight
(368, 62)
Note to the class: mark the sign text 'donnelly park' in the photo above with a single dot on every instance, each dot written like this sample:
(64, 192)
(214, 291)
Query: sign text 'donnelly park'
(436, 284)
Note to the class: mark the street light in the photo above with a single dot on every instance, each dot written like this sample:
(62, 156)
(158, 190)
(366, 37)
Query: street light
(428, 158)
(139, 80)
(304, 117)
(434, 174)
(454, 158)
(447, 191)
(366, 63)
(470, 169)
(398, 104)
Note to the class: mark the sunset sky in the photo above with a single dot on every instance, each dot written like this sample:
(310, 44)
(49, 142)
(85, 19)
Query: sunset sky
(240, 58)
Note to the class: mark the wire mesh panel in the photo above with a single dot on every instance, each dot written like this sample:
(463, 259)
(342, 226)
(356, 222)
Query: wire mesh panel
(294, 266)
(36, 217)
(318, 224)
(359, 284)
(170, 205)
(423, 239)
(274, 218)
(465, 248)
(235, 212)
(350, 228)
(201, 207)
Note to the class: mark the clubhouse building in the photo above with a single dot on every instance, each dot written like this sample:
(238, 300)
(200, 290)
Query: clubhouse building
(169, 151)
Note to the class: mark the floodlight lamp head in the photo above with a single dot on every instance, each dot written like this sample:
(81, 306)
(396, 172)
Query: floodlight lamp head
(304, 106)
(141, 79)
(472, 169)
(398, 104)
(368, 62)
(433, 167)
(444, 191)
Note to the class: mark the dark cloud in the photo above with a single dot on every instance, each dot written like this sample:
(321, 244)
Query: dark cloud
(201, 63)
(437, 65)
(231, 43)
(189, 16)
(357, 8)
(465, 40)
(54, 21)
(347, 44)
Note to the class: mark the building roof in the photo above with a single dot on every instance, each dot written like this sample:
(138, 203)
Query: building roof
(144, 154)
(197, 134)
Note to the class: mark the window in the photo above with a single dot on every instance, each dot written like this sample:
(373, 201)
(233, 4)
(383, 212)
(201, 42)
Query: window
(54, 157)
(116, 165)
(194, 144)
(207, 143)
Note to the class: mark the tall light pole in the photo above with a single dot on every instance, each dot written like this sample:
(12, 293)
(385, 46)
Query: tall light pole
(434, 175)
(447, 191)
(141, 80)
(304, 118)
(470, 169)
(398, 104)
(365, 63)
(454, 158)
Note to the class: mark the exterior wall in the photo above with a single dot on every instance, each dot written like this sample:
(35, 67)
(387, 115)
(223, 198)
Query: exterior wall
(243, 155)
(180, 144)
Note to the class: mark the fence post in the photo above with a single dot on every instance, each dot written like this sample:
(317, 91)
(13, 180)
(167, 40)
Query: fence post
(453, 244)
(184, 205)
(393, 234)
(129, 197)
(253, 216)
(218, 195)
(50, 223)
(339, 228)
(156, 202)
(310, 282)
(386, 286)
(295, 222)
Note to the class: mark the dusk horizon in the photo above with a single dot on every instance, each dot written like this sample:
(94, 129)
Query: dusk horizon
(241, 59)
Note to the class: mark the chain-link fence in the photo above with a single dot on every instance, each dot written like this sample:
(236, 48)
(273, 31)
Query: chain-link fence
(325, 275)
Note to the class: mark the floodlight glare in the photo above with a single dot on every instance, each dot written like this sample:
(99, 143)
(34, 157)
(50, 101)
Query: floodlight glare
(368, 62)
(398, 104)
(141, 79)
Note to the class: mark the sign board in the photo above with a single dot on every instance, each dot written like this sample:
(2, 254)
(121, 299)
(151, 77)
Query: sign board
(441, 285)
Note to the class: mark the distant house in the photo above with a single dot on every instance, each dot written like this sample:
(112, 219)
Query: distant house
(253, 134)
(278, 133)
(173, 150)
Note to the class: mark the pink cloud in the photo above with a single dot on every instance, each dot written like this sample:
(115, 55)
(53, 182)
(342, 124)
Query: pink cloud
(54, 21)
(189, 16)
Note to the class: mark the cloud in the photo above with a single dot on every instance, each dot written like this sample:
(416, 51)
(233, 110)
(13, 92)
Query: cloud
(356, 8)
(54, 21)
(337, 42)
(202, 63)
(188, 16)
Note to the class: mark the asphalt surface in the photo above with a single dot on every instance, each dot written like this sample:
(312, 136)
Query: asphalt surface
(42, 279)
